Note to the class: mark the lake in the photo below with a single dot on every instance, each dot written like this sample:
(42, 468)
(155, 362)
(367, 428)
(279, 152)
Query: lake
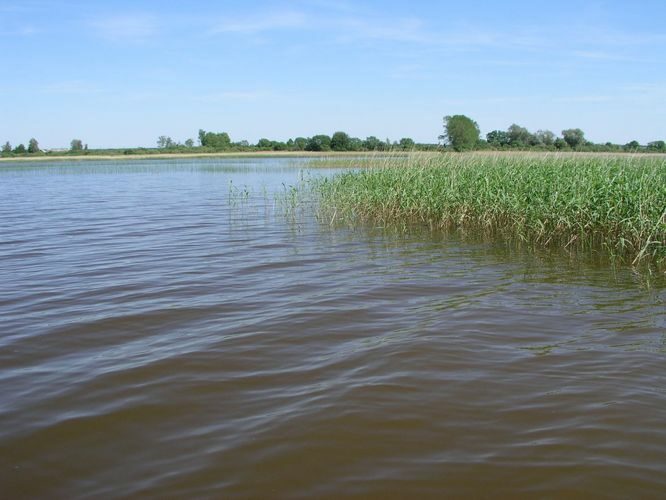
(191, 328)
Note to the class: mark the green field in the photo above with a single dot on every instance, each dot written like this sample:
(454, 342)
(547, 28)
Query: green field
(612, 205)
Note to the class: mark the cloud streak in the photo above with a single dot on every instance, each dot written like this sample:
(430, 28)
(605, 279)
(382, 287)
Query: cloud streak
(253, 26)
(349, 26)
(228, 96)
(127, 28)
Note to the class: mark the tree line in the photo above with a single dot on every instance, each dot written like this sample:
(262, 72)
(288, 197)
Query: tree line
(339, 141)
(221, 142)
(461, 133)
(33, 148)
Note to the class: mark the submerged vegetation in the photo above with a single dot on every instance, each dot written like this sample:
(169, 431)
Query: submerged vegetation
(613, 205)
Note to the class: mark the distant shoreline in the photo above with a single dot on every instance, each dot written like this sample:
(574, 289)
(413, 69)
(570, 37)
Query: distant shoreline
(166, 156)
(315, 154)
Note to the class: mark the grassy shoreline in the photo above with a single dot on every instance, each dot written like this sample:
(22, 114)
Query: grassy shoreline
(337, 156)
(612, 205)
(171, 156)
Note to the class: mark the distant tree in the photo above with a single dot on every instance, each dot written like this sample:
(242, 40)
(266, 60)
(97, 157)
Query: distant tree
(164, 142)
(300, 143)
(264, 143)
(33, 146)
(406, 144)
(7, 148)
(189, 143)
(652, 146)
(482, 144)
(213, 140)
(498, 138)
(574, 137)
(355, 144)
(460, 132)
(632, 146)
(340, 141)
(520, 136)
(278, 146)
(243, 144)
(76, 145)
(545, 137)
(372, 144)
(19, 149)
(560, 143)
(320, 142)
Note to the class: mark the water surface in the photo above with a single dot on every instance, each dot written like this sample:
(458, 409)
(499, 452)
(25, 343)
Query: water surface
(182, 329)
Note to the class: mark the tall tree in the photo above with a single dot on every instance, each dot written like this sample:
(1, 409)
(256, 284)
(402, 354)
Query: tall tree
(340, 141)
(33, 146)
(574, 137)
(76, 145)
(406, 144)
(460, 132)
(355, 144)
(165, 142)
(652, 146)
(215, 141)
(519, 136)
(545, 137)
(264, 143)
(497, 138)
(373, 144)
(560, 143)
(632, 146)
(7, 148)
(319, 142)
(19, 149)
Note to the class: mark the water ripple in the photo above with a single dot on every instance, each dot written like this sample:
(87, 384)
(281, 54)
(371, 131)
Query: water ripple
(159, 338)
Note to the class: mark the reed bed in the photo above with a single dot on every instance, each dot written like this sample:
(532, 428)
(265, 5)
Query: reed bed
(614, 205)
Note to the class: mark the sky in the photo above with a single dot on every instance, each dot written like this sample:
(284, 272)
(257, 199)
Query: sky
(122, 73)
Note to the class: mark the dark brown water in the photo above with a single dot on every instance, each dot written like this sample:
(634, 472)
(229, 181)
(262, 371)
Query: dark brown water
(168, 329)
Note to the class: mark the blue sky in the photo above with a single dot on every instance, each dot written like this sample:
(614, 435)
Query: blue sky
(121, 73)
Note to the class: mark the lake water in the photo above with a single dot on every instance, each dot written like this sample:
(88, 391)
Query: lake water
(178, 329)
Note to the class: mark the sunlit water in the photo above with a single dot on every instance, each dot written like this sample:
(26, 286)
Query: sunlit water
(188, 329)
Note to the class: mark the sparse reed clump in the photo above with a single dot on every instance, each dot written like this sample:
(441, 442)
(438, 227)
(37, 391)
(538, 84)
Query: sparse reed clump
(612, 204)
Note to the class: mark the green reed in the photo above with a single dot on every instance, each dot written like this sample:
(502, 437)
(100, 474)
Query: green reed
(613, 204)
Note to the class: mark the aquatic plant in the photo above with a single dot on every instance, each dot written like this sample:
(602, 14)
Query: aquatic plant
(610, 204)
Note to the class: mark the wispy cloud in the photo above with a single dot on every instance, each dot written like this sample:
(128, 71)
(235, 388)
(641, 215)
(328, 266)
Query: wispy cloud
(344, 25)
(410, 72)
(22, 7)
(645, 92)
(397, 30)
(584, 99)
(77, 87)
(532, 99)
(127, 28)
(614, 57)
(234, 95)
(20, 31)
(271, 22)
(597, 55)
(615, 38)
